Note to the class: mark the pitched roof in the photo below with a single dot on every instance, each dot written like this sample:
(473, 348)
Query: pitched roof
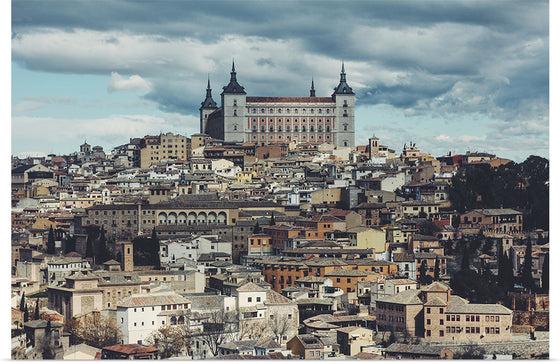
(408, 297)
(461, 305)
(276, 298)
(251, 287)
(131, 349)
(153, 299)
(436, 287)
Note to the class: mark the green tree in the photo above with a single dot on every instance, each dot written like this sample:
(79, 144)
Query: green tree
(545, 282)
(436, 270)
(527, 269)
(272, 220)
(465, 261)
(50, 242)
(22, 305)
(488, 246)
(36, 313)
(257, 228)
(89, 248)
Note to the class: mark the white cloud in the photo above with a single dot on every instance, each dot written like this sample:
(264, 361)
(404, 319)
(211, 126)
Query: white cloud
(29, 104)
(134, 82)
(48, 134)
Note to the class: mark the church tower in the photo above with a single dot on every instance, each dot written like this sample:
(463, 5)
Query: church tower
(208, 107)
(127, 256)
(234, 104)
(344, 98)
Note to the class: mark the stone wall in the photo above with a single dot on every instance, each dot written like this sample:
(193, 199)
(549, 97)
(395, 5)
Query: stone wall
(522, 350)
(536, 319)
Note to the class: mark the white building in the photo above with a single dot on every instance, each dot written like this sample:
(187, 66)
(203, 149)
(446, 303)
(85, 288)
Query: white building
(191, 249)
(140, 314)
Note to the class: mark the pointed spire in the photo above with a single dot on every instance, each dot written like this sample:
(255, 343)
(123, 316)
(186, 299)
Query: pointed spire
(312, 91)
(208, 89)
(233, 87)
(343, 87)
(233, 73)
(209, 101)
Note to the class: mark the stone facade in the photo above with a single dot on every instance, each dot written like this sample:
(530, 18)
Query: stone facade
(271, 120)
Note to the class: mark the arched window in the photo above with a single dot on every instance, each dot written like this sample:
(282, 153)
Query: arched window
(234, 112)
(311, 128)
(271, 128)
(254, 128)
(234, 102)
(279, 127)
(320, 128)
(328, 128)
(262, 128)
(287, 128)
(295, 128)
(303, 128)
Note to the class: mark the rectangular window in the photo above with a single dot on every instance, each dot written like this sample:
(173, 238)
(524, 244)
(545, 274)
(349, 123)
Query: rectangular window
(428, 332)
(441, 310)
(428, 310)
(440, 332)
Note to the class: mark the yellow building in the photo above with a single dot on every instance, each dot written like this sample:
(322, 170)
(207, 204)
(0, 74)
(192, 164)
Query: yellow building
(164, 147)
(327, 196)
(362, 237)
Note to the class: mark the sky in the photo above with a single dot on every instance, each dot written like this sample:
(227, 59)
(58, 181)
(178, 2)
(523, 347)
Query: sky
(449, 76)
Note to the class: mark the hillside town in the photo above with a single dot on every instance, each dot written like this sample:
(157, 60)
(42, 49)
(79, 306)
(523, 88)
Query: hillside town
(193, 247)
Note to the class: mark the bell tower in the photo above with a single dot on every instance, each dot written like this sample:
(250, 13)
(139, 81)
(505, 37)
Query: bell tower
(207, 107)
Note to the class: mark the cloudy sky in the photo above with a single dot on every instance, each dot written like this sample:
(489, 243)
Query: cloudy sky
(447, 75)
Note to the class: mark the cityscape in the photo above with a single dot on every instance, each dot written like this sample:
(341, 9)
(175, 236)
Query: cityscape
(170, 204)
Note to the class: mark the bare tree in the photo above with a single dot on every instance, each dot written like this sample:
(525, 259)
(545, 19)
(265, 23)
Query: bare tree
(279, 325)
(97, 331)
(220, 328)
(251, 329)
(170, 340)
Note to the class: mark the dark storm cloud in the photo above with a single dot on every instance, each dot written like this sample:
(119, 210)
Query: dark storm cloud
(442, 57)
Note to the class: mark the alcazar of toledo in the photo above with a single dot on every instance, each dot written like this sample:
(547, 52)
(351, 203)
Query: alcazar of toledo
(269, 120)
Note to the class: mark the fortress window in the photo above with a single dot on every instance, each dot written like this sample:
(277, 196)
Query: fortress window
(234, 112)
(345, 103)
(345, 127)
(234, 126)
(234, 102)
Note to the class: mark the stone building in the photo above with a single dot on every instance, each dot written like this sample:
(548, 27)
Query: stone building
(437, 316)
(271, 120)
